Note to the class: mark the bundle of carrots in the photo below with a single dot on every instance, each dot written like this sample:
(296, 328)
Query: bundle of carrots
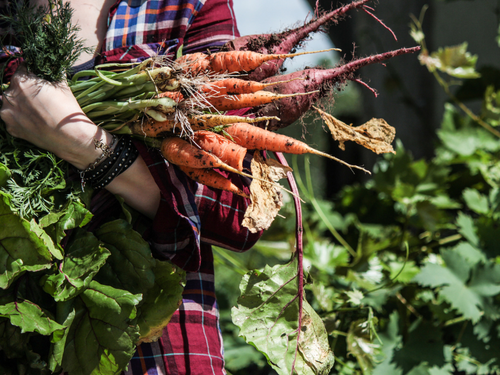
(179, 105)
(182, 102)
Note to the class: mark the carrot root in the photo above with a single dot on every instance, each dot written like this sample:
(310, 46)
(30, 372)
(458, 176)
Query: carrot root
(211, 178)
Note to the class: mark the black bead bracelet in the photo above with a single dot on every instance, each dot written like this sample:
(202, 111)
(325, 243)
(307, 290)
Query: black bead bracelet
(115, 163)
(121, 160)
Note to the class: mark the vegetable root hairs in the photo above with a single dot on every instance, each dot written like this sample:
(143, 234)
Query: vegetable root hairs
(291, 109)
(286, 41)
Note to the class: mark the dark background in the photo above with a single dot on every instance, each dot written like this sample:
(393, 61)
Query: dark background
(409, 98)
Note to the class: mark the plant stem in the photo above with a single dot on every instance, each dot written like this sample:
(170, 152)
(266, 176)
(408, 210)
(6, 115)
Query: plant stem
(464, 108)
(300, 248)
(310, 196)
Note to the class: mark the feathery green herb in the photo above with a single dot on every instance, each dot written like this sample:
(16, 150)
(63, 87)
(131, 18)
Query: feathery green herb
(47, 38)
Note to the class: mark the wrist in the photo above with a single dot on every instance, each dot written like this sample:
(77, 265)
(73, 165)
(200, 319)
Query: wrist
(87, 146)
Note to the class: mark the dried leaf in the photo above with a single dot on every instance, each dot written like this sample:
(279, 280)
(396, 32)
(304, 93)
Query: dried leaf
(375, 135)
(317, 356)
(266, 198)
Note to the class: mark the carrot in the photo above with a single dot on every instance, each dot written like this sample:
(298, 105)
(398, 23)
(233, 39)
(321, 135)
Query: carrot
(212, 179)
(230, 62)
(226, 103)
(209, 121)
(193, 63)
(245, 61)
(218, 145)
(154, 128)
(175, 95)
(255, 138)
(182, 153)
(234, 86)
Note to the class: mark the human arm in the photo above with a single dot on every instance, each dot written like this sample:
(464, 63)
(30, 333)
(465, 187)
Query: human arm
(49, 116)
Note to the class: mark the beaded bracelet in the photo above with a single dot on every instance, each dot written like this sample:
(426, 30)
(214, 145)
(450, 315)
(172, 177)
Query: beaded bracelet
(120, 161)
(116, 162)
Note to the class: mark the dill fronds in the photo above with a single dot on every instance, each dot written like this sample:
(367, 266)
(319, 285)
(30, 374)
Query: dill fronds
(47, 38)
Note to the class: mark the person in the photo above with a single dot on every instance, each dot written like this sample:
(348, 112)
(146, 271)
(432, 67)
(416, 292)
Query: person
(184, 218)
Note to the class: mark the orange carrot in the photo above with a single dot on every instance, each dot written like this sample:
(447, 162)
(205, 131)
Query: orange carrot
(193, 63)
(225, 149)
(175, 95)
(226, 103)
(181, 152)
(234, 86)
(255, 138)
(212, 179)
(244, 61)
(209, 121)
(230, 62)
(152, 128)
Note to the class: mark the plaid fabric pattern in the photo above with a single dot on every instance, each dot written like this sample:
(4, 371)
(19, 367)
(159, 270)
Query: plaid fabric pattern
(191, 216)
(140, 29)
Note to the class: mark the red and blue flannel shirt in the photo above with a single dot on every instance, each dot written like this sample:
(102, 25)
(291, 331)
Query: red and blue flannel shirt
(191, 217)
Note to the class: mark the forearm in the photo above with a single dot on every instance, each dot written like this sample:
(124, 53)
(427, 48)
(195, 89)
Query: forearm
(138, 188)
(49, 116)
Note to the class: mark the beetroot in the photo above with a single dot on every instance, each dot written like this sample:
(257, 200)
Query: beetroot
(284, 42)
(291, 109)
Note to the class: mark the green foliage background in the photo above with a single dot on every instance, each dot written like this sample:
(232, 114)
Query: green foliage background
(403, 270)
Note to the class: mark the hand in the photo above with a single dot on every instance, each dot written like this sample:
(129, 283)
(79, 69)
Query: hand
(48, 115)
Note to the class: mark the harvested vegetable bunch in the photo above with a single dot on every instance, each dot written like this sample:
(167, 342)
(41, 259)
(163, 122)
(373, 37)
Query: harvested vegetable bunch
(175, 105)
(102, 288)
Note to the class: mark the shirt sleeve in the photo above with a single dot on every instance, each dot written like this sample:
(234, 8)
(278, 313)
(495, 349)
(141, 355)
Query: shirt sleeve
(191, 214)
(222, 214)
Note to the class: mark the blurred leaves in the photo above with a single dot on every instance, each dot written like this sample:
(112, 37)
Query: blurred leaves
(455, 61)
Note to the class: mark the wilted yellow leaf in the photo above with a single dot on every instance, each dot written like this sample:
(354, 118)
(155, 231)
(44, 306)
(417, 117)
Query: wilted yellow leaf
(375, 135)
(266, 198)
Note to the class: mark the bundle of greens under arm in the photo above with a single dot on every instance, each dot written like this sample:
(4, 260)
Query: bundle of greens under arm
(48, 40)
(34, 179)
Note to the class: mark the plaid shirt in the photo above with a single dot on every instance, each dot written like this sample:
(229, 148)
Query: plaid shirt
(139, 29)
(191, 217)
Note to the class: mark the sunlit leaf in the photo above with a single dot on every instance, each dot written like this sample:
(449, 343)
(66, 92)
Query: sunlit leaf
(101, 331)
(491, 106)
(30, 318)
(84, 257)
(314, 348)
(360, 344)
(4, 175)
(21, 249)
(467, 228)
(160, 301)
(476, 201)
(455, 61)
(267, 315)
(73, 215)
(130, 266)
(465, 288)
(355, 297)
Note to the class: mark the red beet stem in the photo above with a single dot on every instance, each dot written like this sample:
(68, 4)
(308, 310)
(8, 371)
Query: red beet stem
(291, 109)
(284, 42)
(299, 230)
